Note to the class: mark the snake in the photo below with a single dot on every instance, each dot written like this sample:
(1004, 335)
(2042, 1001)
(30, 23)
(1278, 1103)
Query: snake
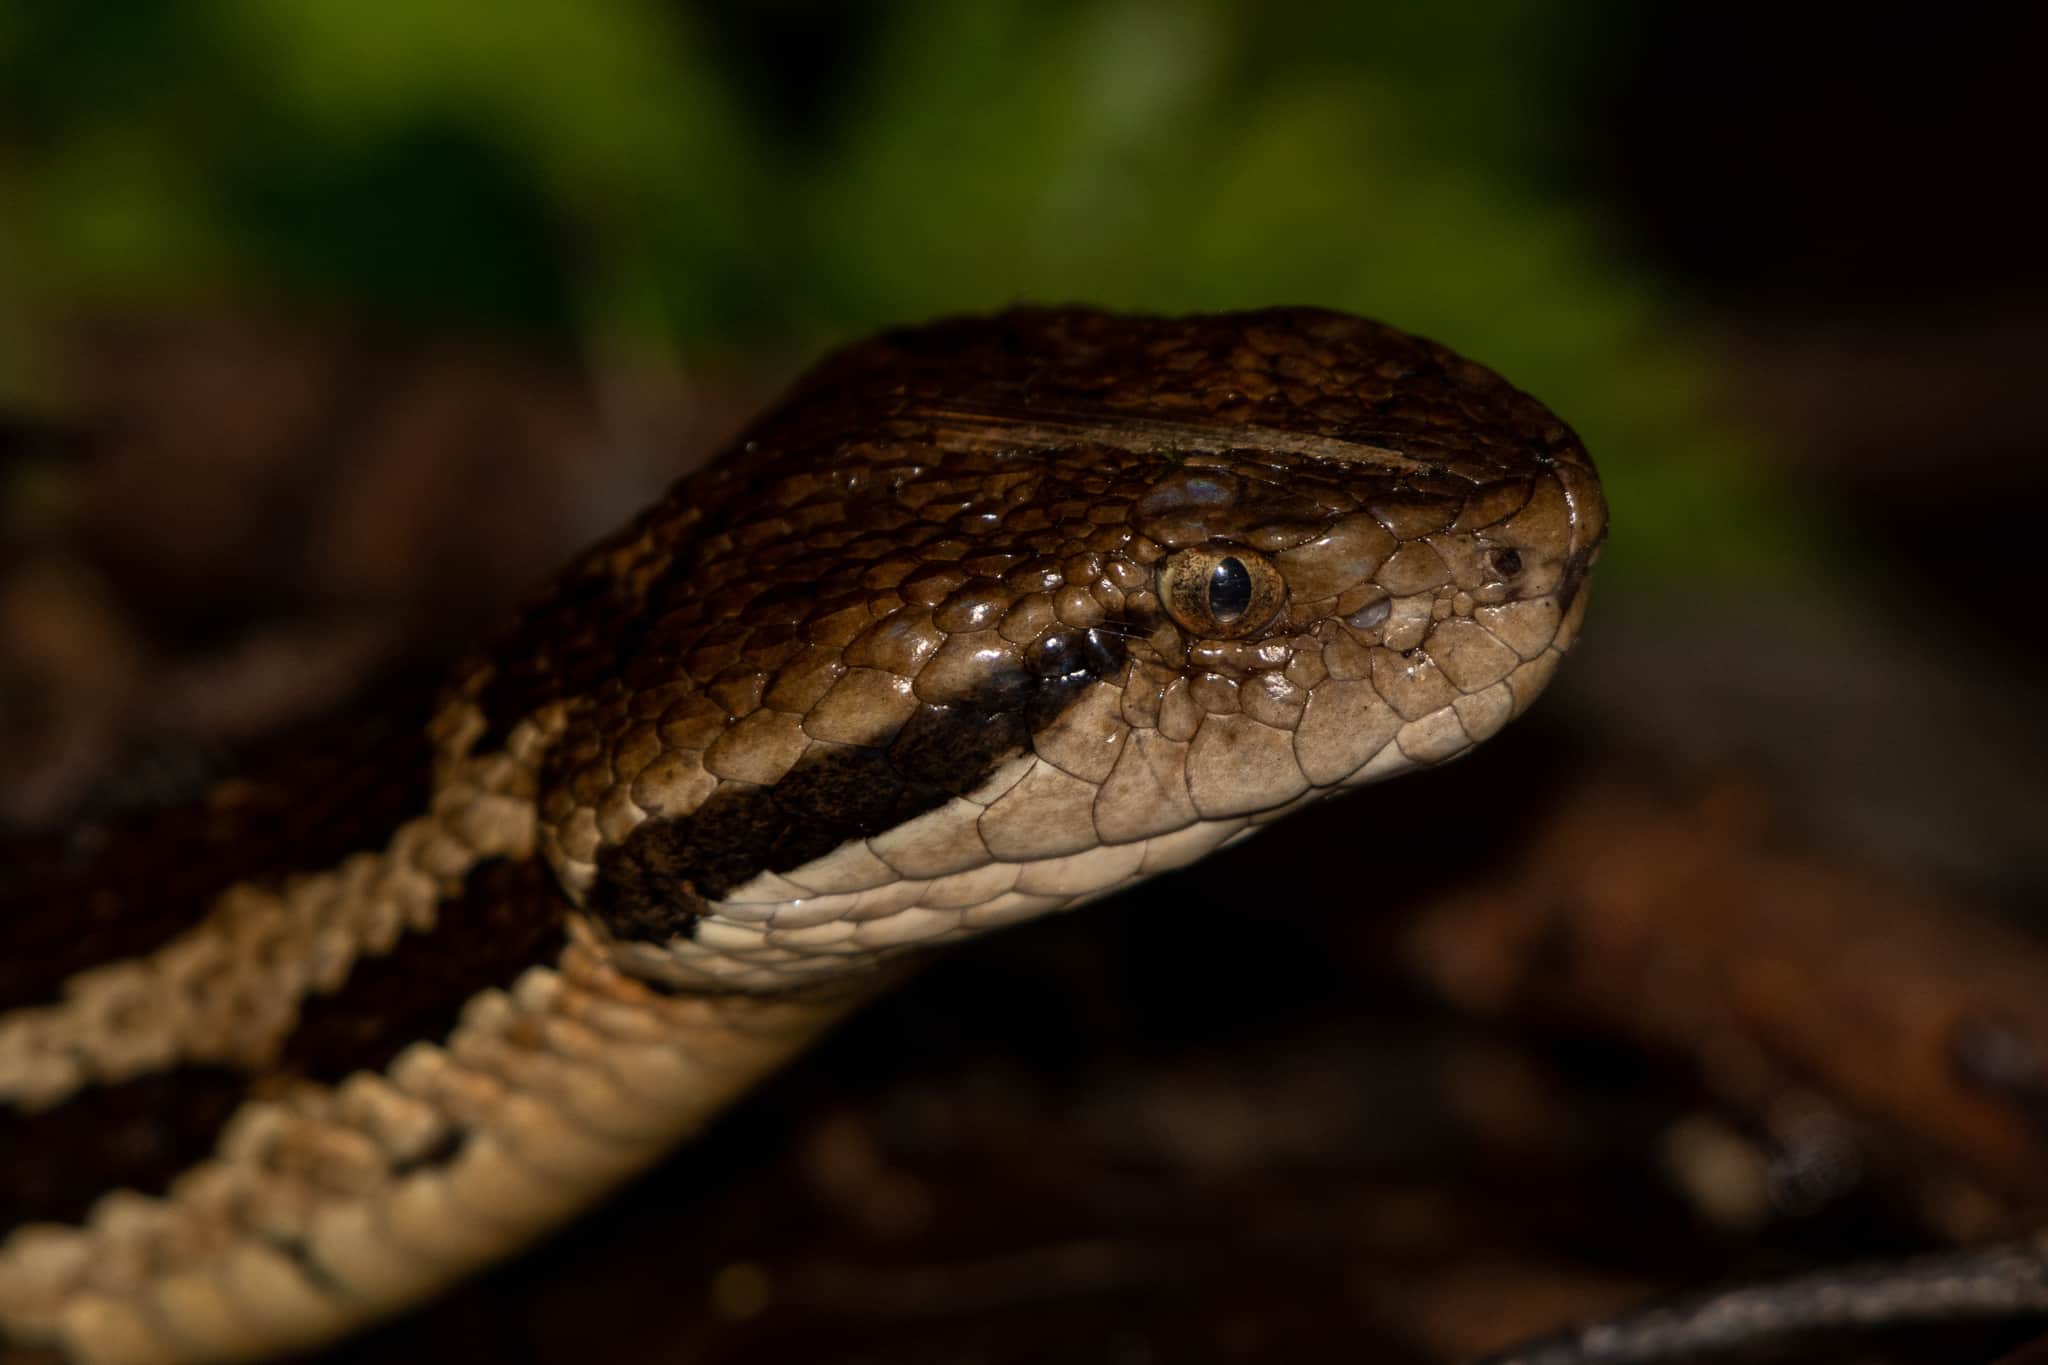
(986, 619)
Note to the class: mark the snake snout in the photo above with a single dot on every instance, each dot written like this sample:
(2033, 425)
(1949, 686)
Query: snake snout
(1588, 509)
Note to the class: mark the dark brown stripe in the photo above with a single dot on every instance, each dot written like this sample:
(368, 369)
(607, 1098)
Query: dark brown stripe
(127, 885)
(654, 885)
(508, 917)
(138, 1134)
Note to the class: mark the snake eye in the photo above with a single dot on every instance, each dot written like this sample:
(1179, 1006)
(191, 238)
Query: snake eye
(1220, 591)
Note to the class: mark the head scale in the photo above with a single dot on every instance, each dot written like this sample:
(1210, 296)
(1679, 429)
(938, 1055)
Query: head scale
(998, 615)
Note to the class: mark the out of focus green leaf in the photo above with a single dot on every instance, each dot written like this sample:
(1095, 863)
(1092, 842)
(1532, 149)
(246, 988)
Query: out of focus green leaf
(617, 174)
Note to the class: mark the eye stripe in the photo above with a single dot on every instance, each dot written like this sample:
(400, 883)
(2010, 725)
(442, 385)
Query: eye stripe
(654, 884)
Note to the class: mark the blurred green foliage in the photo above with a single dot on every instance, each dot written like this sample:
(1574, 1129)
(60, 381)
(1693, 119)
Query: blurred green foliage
(625, 174)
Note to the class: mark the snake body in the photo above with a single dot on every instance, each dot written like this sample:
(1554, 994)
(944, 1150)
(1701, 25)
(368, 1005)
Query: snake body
(985, 620)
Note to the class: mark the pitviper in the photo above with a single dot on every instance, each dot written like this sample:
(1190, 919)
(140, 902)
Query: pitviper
(986, 619)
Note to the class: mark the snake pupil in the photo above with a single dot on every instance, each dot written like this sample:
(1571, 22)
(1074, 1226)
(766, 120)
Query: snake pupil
(1230, 589)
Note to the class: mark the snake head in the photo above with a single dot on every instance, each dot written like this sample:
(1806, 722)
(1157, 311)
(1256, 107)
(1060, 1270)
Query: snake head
(995, 616)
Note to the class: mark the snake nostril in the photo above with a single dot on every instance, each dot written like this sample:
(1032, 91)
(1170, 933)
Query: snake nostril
(1507, 562)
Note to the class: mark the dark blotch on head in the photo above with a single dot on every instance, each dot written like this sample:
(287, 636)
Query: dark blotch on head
(654, 885)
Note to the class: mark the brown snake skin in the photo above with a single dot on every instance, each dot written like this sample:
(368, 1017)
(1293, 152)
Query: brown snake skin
(987, 619)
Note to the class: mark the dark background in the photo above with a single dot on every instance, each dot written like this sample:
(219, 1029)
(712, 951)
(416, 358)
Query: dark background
(327, 329)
